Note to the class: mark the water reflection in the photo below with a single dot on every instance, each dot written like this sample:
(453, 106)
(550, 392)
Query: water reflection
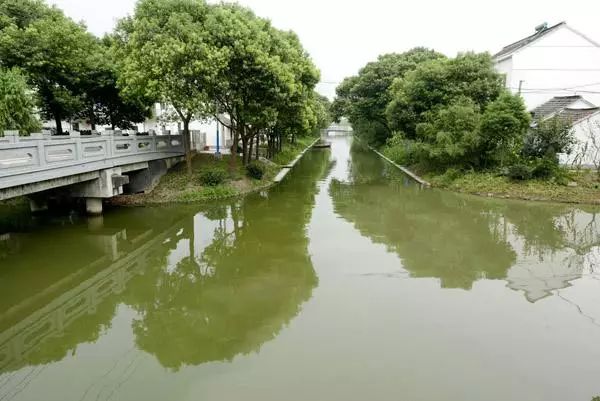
(204, 286)
(537, 248)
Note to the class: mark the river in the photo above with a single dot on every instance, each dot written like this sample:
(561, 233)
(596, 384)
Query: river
(346, 282)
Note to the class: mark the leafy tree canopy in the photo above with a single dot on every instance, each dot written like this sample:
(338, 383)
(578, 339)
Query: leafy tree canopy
(364, 98)
(17, 105)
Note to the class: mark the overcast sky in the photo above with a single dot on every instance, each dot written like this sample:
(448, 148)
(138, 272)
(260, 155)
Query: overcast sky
(343, 35)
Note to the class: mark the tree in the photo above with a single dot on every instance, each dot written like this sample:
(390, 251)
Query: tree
(267, 74)
(17, 104)
(438, 83)
(504, 125)
(548, 138)
(164, 54)
(52, 51)
(451, 135)
(364, 98)
(104, 102)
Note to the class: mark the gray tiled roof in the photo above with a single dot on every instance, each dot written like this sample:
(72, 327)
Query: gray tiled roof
(526, 41)
(572, 116)
(554, 105)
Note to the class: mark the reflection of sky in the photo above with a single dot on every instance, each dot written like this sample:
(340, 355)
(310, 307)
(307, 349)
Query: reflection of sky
(370, 332)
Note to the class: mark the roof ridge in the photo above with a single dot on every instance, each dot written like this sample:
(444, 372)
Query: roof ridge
(527, 40)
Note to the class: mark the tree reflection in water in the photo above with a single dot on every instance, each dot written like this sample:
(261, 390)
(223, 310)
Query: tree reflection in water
(206, 286)
(459, 239)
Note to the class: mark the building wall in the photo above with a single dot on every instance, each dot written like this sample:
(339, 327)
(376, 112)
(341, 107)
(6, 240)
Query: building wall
(586, 152)
(561, 63)
(203, 129)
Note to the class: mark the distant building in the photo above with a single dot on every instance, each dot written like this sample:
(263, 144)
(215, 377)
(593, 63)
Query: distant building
(585, 120)
(204, 132)
(554, 61)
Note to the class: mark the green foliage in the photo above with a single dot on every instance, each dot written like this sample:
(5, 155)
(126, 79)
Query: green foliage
(451, 135)
(364, 98)
(519, 172)
(255, 170)
(207, 194)
(212, 176)
(545, 168)
(55, 54)
(439, 83)
(503, 127)
(17, 105)
(548, 138)
(403, 151)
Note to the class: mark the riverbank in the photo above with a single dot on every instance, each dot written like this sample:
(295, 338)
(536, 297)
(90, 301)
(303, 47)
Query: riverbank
(177, 187)
(583, 187)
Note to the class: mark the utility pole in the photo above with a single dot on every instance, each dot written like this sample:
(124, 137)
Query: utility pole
(520, 86)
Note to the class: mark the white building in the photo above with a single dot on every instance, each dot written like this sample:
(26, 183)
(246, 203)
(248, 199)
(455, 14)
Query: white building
(204, 132)
(554, 61)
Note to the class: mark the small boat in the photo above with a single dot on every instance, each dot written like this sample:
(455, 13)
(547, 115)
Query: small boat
(322, 145)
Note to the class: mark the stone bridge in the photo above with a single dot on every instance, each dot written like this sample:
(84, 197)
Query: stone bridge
(93, 167)
(342, 128)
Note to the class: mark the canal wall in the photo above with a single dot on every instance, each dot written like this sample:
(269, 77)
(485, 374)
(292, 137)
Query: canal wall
(287, 168)
(401, 168)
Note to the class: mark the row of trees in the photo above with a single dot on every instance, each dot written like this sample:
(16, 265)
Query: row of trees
(442, 112)
(213, 60)
(71, 73)
(203, 60)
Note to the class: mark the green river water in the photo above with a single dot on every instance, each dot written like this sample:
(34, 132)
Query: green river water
(346, 282)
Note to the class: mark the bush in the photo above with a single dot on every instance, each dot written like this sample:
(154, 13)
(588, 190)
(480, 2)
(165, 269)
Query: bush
(549, 138)
(213, 176)
(545, 168)
(519, 172)
(255, 170)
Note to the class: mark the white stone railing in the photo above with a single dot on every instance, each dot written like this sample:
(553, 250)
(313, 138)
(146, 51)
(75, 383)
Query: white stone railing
(47, 156)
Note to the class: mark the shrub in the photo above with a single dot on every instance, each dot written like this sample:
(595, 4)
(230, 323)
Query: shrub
(255, 170)
(545, 168)
(519, 172)
(213, 176)
(549, 138)
(405, 152)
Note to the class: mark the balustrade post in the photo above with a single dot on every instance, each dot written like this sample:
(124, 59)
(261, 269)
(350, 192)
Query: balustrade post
(78, 145)
(110, 142)
(12, 136)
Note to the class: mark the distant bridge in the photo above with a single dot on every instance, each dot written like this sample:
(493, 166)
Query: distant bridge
(93, 167)
(338, 129)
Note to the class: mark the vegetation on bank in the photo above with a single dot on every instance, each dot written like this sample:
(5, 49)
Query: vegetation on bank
(202, 60)
(575, 187)
(214, 179)
(452, 120)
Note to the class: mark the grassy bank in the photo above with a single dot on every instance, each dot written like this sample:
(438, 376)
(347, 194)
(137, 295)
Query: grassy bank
(177, 187)
(291, 151)
(583, 187)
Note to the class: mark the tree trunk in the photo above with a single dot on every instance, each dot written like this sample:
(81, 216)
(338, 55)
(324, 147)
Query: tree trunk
(250, 149)
(257, 146)
(58, 122)
(234, 149)
(187, 145)
(244, 150)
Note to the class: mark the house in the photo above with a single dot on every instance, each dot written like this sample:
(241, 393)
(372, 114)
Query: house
(555, 61)
(584, 119)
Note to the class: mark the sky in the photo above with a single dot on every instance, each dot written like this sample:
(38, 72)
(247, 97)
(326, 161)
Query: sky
(343, 35)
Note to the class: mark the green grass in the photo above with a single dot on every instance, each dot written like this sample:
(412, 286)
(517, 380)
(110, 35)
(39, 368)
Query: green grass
(587, 189)
(291, 151)
(207, 194)
(177, 187)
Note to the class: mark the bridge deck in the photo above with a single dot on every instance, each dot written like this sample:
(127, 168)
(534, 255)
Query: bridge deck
(41, 157)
